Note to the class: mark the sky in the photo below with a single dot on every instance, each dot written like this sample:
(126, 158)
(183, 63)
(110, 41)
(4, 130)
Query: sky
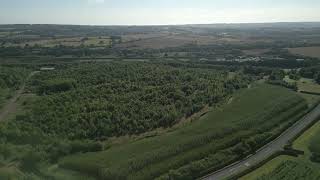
(156, 12)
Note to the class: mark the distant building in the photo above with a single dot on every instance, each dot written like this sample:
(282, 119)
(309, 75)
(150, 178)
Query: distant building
(47, 69)
(246, 59)
(221, 59)
(203, 59)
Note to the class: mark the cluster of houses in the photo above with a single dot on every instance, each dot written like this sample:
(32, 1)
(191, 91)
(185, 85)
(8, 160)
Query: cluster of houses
(249, 58)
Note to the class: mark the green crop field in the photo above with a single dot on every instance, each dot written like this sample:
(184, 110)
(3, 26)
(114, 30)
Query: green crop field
(218, 138)
(287, 167)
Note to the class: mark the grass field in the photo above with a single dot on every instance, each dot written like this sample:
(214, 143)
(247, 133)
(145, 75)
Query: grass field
(306, 51)
(165, 40)
(302, 162)
(211, 142)
(306, 85)
(310, 98)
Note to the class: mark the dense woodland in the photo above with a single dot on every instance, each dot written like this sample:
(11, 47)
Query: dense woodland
(11, 77)
(78, 104)
(103, 100)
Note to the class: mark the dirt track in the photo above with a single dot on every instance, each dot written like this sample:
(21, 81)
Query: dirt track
(11, 106)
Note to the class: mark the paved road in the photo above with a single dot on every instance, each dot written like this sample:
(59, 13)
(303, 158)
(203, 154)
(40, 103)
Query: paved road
(11, 105)
(267, 150)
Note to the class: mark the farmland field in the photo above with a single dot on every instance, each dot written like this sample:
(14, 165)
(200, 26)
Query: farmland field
(203, 143)
(177, 40)
(308, 86)
(305, 85)
(306, 51)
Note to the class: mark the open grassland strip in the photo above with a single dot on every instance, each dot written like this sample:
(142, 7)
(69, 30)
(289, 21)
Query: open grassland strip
(303, 141)
(306, 51)
(314, 147)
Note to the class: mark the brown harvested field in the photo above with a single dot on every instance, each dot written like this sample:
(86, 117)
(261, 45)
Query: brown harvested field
(173, 40)
(306, 51)
(166, 39)
(255, 52)
(138, 37)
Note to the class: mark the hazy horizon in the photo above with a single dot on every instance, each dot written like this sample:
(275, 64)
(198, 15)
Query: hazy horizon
(153, 12)
(235, 23)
